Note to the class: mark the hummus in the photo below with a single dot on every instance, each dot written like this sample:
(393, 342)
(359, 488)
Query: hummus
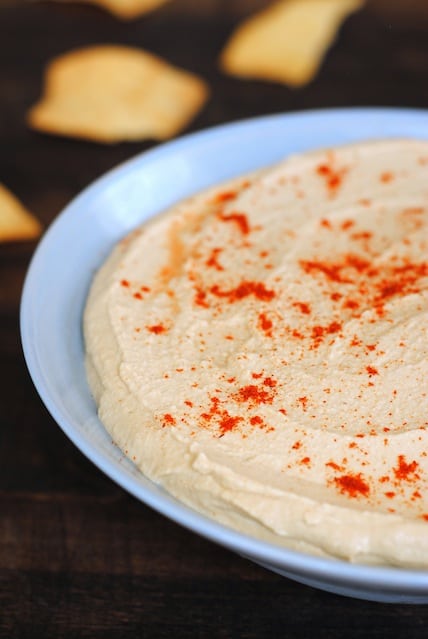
(261, 351)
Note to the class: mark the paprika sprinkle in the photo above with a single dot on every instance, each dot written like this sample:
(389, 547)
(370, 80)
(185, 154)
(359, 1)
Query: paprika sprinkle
(261, 350)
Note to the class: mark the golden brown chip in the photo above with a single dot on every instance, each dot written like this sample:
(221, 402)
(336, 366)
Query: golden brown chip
(287, 41)
(16, 223)
(126, 9)
(114, 93)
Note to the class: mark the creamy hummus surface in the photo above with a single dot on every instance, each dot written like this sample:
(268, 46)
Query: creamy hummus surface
(261, 351)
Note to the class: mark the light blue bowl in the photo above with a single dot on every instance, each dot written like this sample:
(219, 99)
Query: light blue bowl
(82, 236)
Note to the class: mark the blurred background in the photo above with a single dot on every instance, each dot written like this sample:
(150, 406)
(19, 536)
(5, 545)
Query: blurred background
(78, 556)
(379, 58)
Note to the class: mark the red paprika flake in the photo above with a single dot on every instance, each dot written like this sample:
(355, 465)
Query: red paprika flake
(168, 420)
(371, 370)
(244, 289)
(362, 235)
(228, 422)
(269, 381)
(399, 279)
(386, 177)
(333, 327)
(332, 464)
(406, 471)
(157, 329)
(212, 261)
(303, 307)
(351, 304)
(340, 270)
(352, 485)
(333, 177)
(240, 219)
(331, 270)
(253, 394)
(220, 417)
(265, 324)
(303, 401)
(225, 196)
(319, 332)
(200, 298)
(297, 334)
(347, 224)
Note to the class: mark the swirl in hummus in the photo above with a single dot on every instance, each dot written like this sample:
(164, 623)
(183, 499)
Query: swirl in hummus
(260, 350)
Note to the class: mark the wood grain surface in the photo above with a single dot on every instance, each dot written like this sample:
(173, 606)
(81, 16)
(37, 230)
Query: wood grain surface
(78, 556)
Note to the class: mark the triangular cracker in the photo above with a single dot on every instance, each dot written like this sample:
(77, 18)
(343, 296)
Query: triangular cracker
(16, 223)
(113, 93)
(287, 41)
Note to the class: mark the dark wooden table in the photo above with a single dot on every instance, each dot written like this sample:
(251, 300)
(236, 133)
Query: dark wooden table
(79, 557)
